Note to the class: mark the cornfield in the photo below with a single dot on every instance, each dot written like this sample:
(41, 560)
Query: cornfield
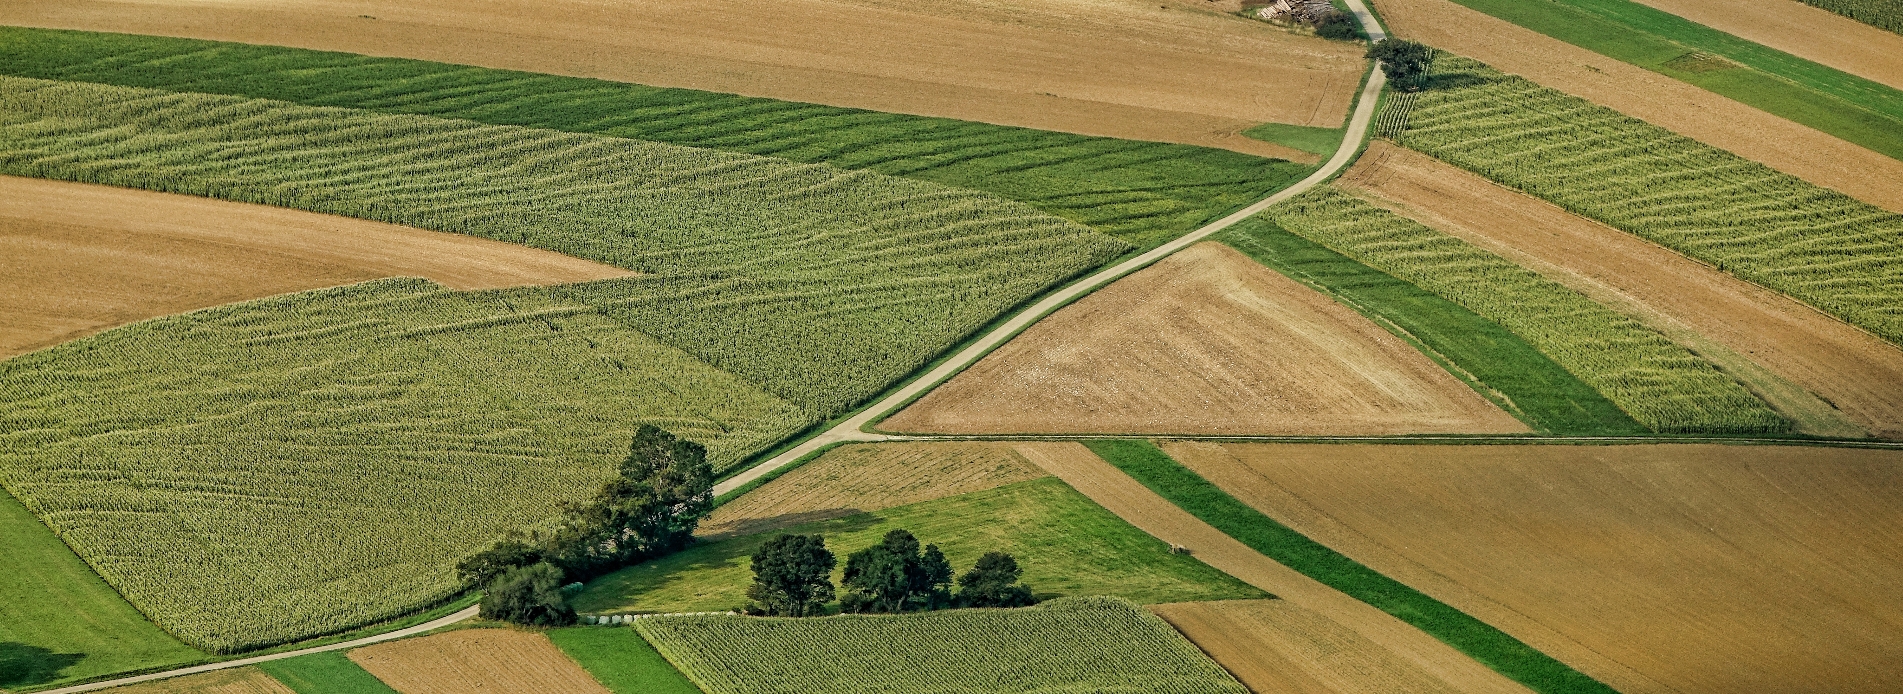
(1659, 383)
(1079, 645)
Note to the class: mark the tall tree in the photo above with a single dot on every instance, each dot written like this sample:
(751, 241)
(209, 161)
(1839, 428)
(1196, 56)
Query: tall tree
(664, 489)
(792, 576)
(993, 582)
(1405, 62)
(893, 576)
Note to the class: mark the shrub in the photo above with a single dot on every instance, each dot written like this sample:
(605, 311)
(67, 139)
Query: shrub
(529, 595)
(1405, 62)
(792, 576)
(1338, 26)
(993, 582)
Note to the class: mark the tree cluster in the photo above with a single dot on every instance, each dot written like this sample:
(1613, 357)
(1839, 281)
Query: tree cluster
(1405, 62)
(792, 577)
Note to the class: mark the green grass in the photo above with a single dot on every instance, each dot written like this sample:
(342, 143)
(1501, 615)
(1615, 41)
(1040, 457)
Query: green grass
(1143, 192)
(330, 672)
(1067, 545)
(1853, 108)
(621, 660)
(58, 621)
(1078, 645)
(1660, 384)
(1812, 243)
(1317, 141)
(1490, 646)
(1883, 14)
(1502, 366)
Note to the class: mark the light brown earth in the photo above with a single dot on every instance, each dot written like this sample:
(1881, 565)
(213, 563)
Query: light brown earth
(235, 681)
(1814, 34)
(476, 660)
(1137, 69)
(1397, 646)
(1275, 646)
(76, 259)
(1662, 101)
(1662, 568)
(867, 477)
(1206, 341)
(1788, 352)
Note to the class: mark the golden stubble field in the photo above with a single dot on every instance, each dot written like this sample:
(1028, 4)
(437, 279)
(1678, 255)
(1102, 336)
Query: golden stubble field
(1206, 341)
(476, 660)
(1278, 646)
(1653, 568)
(1164, 70)
(235, 681)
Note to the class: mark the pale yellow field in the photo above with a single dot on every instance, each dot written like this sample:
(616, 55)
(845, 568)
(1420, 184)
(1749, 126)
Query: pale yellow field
(476, 660)
(234, 681)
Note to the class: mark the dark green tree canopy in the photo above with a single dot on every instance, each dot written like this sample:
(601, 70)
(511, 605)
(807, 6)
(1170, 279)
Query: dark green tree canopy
(792, 577)
(529, 595)
(993, 582)
(893, 576)
(1405, 62)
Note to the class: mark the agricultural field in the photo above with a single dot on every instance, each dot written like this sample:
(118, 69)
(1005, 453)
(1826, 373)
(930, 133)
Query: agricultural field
(1066, 545)
(1693, 568)
(1876, 13)
(466, 660)
(1207, 341)
(330, 672)
(1277, 646)
(1815, 35)
(235, 681)
(621, 660)
(1068, 645)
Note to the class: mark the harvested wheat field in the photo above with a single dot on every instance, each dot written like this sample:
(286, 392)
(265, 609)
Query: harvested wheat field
(234, 681)
(1654, 98)
(1207, 341)
(867, 477)
(1811, 33)
(476, 660)
(76, 259)
(1397, 645)
(1788, 352)
(1120, 68)
(1652, 568)
(1277, 646)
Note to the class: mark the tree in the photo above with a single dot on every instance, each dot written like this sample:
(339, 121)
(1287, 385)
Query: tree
(993, 582)
(1337, 26)
(893, 576)
(511, 552)
(1405, 62)
(529, 595)
(792, 576)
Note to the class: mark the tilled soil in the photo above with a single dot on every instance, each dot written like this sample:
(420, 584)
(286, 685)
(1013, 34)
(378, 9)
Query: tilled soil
(1653, 568)
(1207, 341)
(1811, 33)
(1277, 646)
(234, 681)
(76, 259)
(476, 660)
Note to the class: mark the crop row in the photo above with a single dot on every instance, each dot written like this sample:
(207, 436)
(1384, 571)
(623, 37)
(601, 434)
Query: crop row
(1659, 383)
(1822, 247)
(1877, 13)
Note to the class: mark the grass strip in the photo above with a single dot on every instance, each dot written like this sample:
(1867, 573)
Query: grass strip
(1313, 140)
(621, 660)
(1492, 647)
(330, 672)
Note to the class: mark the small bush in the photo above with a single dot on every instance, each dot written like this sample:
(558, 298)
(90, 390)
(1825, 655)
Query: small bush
(1338, 26)
(529, 595)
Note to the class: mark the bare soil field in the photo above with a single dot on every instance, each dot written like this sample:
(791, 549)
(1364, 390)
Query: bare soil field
(1740, 326)
(1396, 645)
(1119, 68)
(76, 259)
(1207, 341)
(234, 681)
(1668, 103)
(1811, 33)
(867, 477)
(476, 660)
(1277, 646)
(1658, 568)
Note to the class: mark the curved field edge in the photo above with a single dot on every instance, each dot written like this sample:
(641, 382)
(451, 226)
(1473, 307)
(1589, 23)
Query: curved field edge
(1142, 192)
(1486, 644)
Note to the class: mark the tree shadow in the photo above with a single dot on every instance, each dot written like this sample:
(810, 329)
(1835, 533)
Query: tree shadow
(23, 665)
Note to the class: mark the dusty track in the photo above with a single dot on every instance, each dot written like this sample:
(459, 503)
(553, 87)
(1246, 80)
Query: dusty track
(1668, 103)
(240, 681)
(1814, 34)
(1120, 68)
(1396, 643)
(1207, 341)
(1276, 646)
(1720, 316)
(76, 259)
(1686, 568)
(477, 660)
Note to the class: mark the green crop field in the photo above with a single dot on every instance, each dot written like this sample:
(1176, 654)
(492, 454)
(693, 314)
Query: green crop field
(621, 660)
(1507, 369)
(1657, 382)
(1853, 108)
(58, 621)
(1316, 141)
(1067, 545)
(1883, 14)
(1819, 246)
(1143, 192)
(330, 672)
(1075, 645)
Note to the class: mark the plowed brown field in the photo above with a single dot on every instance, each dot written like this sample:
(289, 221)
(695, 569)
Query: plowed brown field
(1668, 103)
(1661, 568)
(1811, 33)
(868, 477)
(1276, 646)
(1123, 68)
(476, 660)
(1206, 341)
(1739, 325)
(76, 259)
(1397, 646)
(235, 681)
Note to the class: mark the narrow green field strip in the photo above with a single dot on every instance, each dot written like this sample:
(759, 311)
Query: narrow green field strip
(621, 660)
(58, 621)
(1853, 108)
(324, 673)
(1814, 244)
(1658, 383)
(1143, 192)
(1492, 647)
(1507, 369)
(1066, 544)
(1317, 141)
(1883, 14)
